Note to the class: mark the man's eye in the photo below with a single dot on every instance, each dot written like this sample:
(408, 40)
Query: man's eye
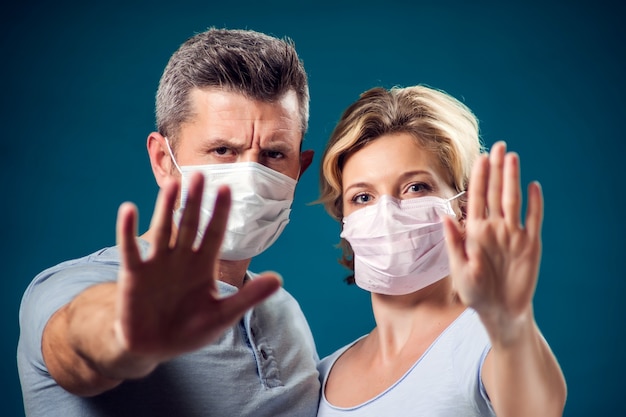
(274, 154)
(222, 150)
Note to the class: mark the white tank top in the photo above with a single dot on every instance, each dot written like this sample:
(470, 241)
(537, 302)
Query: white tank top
(444, 382)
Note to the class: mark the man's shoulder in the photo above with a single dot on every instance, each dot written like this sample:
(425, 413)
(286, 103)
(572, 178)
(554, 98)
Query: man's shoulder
(107, 255)
(281, 295)
(101, 265)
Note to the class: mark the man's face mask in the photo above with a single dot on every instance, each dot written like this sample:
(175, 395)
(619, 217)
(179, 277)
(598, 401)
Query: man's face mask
(260, 204)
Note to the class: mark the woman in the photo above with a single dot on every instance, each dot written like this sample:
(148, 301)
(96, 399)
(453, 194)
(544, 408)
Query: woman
(451, 269)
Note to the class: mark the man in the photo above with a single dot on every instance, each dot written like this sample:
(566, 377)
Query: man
(162, 324)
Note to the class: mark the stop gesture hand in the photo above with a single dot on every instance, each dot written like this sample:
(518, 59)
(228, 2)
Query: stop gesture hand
(168, 303)
(495, 260)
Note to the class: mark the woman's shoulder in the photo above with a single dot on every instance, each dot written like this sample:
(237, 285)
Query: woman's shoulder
(326, 364)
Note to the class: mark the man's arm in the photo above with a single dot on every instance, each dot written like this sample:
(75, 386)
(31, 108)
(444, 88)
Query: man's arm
(160, 307)
(81, 350)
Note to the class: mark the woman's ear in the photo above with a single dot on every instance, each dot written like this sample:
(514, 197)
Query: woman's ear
(461, 211)
(160, 157)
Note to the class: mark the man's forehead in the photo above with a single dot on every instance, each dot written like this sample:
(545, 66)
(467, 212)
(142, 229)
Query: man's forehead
(236, 105)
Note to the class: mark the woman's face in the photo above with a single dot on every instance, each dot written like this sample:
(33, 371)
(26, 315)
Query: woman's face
(393, 165)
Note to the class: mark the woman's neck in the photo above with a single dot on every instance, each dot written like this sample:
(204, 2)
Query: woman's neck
(407, 320)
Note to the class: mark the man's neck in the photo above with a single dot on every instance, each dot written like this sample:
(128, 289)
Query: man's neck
(230, 272)
(233, 272)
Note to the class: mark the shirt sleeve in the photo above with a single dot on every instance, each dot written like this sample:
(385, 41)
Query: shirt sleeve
(51, 290)
(471, 349)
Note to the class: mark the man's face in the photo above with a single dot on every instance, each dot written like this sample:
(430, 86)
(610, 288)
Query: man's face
(228, 127)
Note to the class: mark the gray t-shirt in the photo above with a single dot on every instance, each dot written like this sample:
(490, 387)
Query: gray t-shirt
(263, 366)
(445, 382)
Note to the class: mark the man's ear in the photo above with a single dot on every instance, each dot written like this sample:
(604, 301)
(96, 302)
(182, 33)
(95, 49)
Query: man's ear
(306, 157)
(160, 157)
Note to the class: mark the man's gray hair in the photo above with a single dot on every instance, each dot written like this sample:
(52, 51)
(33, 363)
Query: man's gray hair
(256, 65)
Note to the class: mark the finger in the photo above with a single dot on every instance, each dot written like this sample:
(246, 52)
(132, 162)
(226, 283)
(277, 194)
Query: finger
(455, 243)
(188, 228)
(161, 221)
(126, 231)
(214, 233)
(476, 193)
(534, 210)
(494, 192)
(512, 191)
(252, 293)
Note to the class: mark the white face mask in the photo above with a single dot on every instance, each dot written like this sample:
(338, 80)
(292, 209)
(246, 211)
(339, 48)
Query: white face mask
(399, 245)
(260, 204)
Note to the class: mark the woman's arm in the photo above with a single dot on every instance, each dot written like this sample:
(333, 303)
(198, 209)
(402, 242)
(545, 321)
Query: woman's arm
(495, 266)
(521, 374)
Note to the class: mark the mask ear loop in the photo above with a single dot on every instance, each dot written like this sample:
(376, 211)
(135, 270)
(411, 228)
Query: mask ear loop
(456, 196)
(463, 214)
(167, 142)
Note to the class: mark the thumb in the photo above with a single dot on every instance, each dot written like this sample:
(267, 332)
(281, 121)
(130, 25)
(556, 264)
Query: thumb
(454, 240)
(252, 293)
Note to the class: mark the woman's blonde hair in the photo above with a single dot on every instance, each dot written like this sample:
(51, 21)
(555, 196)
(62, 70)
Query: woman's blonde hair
(441, 124)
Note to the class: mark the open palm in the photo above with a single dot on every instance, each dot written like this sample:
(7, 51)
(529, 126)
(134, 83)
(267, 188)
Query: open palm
(168, 303)
(495, 261)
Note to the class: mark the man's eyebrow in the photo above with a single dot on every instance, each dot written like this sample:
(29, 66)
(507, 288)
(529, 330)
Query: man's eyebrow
(279, 146)
(280, 143)
(220, 141)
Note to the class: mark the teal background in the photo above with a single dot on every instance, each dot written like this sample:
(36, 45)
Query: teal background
(77, 105)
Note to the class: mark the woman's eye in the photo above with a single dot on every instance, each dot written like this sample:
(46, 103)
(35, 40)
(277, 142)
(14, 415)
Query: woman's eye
(362, 198)
(419, 187)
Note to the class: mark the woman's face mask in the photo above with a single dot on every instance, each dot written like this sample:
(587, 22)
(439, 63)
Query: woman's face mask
(399, 245)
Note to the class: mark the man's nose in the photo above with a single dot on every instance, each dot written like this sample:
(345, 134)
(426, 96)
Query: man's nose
(250, 155)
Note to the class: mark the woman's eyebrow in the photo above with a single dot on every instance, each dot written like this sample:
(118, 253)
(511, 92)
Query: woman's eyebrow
(356, 185)
(414, 173)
